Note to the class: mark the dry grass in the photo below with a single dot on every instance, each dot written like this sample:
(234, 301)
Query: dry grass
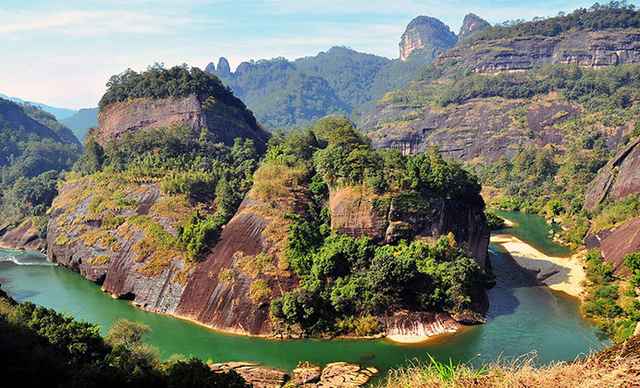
(614, 368)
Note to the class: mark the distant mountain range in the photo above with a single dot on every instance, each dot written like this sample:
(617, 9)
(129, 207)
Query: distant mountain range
(286, 93)
(78, 121)
(59, 113)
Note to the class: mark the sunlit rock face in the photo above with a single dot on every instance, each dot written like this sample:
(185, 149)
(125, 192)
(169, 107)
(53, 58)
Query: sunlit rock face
(428, 35)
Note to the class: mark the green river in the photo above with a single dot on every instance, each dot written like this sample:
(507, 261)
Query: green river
(523, 318)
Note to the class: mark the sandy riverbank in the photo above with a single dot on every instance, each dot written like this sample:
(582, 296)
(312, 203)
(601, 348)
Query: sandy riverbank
(564, 274)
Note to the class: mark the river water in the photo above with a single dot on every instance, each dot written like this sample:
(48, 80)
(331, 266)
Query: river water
(523, 318)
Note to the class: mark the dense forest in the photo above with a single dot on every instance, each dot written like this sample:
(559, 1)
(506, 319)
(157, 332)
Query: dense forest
(34, 149)
(41, 347)
(347, 283)
(286, 94)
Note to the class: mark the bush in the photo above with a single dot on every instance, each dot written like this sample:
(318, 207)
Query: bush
(197, 234)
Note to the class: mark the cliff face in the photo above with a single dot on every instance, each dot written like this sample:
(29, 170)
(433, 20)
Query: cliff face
(471, 25)
(583, 48)
(389, 219)
(222, 120)
(618, 179)
(616, 243)
(24, 236)
(117, 256)
(483, 129)
(427, 34)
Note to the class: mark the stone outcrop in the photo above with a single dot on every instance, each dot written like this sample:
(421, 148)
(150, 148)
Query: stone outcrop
(224, 119)
(389, 219)
(618, 179)
(616, 243)
(24, 236)
(583, 48)
(426, 35)
(256, 375)
(471, 25)
(333, 375)
(419, 325)
(226, 303)
(114, 257)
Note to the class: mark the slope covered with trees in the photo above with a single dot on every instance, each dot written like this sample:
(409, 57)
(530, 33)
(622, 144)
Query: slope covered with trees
(285, 94)
(41, 347)
(34, 149)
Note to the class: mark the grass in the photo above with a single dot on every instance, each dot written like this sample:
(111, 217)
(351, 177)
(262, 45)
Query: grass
(616, 367)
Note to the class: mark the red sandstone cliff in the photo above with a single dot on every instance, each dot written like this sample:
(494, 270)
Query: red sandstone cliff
(221, 120)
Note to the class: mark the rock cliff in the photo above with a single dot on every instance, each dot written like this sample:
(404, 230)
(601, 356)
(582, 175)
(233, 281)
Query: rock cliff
(391, 218)
(471, 25)
(222, 120)
(427, 35)
(118, 257)
(616, 243)
(618, 179)
(583, 48)
(479, 129)
(24, 236)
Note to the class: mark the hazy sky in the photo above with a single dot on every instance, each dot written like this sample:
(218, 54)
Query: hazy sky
(62, 52)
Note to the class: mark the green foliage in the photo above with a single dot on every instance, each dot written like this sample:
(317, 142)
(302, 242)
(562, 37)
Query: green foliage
(158, 82)
(34, 148)
(197, 234)
(41, 347)
(212, 176)
(493, 221)
(289, 94)
(346, 279)
(632, 261)
(605, 303)
(615, 14)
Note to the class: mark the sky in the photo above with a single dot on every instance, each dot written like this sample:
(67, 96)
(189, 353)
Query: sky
(62, 52)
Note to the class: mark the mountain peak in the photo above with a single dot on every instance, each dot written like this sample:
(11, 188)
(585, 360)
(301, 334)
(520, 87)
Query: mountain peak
(428, 35)
(223, 66)
(472, 24)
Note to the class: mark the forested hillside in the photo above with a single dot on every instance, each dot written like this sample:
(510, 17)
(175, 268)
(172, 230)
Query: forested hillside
(285, 93)
(34, 149)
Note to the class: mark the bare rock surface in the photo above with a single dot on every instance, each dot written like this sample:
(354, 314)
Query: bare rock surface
(333, 375)
(428, 35)
(256, 375)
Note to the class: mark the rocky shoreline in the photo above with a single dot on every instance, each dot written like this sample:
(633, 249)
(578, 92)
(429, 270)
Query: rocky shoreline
(335, 374)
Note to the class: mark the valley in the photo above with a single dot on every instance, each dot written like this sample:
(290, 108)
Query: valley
(464, 214)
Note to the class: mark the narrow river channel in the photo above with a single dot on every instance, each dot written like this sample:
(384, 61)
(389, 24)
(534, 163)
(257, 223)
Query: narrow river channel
(523, 318)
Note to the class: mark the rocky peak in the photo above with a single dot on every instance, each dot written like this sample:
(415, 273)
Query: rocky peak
(223, 67)
(472, 24)
(427, 34)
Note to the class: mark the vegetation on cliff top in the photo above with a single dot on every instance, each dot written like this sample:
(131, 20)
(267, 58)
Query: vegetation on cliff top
(615, 14)
(40, 347)
(346, 282)
(158, 82)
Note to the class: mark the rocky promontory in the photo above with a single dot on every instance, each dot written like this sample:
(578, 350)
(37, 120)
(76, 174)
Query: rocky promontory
(426, 35)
